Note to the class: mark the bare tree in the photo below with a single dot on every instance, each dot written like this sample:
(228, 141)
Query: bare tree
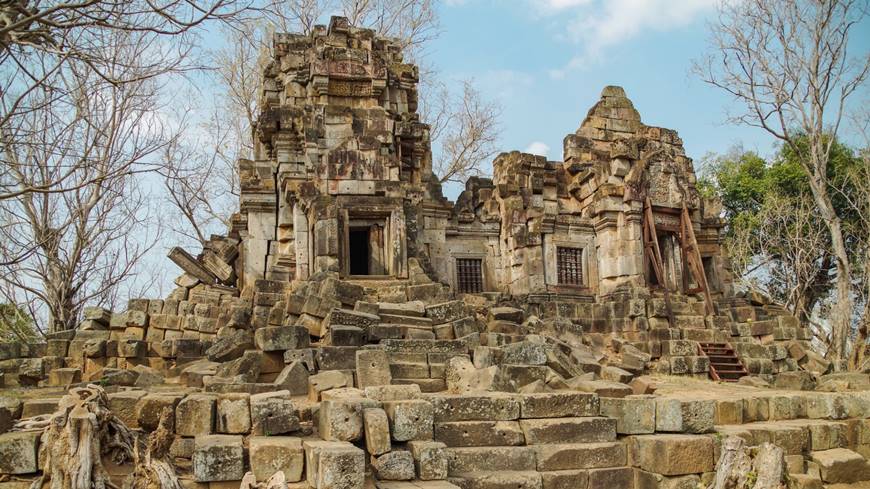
(788, 62)
(465, 131)
(39, 39)
(199, 181)
(61, 250)
(783, 254)
(861, 205)
(199, 175)
(859, 202)
(412, 22)
(304, 14)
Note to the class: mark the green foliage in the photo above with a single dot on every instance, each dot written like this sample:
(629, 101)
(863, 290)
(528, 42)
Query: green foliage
(751, 478)
(773, 227)
(15, 324)
(744, 181)
(740, 182)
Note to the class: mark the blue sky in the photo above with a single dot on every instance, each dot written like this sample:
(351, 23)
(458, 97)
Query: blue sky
(546, 62)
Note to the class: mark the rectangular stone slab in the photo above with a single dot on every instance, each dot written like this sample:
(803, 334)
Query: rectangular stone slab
(494, 407)
(479, 433)
(478, 459)
(558, 404)
(673, 454)
(568, 430)
(580, 456)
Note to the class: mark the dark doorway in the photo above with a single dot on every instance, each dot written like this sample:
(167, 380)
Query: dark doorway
(710, 273)
(358, 241)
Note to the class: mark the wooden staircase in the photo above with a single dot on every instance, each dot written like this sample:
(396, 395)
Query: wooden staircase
(724, 363)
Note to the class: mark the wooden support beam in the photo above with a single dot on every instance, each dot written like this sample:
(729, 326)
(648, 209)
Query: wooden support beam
(693, 255)
(653, 254)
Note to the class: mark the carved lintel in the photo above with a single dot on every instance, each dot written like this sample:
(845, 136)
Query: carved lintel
(191, 265)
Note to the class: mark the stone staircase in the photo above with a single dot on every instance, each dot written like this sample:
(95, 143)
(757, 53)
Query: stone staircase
(529, 442)
(724, 363)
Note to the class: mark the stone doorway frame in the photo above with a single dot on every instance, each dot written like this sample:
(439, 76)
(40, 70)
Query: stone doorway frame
(388, 213)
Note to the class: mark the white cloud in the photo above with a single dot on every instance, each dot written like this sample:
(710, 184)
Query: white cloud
(504, 84)
(561, 4)
(538, 148)
(600, 24)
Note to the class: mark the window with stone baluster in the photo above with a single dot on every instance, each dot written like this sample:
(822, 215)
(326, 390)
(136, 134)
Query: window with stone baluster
(569, 266)
(469, 275)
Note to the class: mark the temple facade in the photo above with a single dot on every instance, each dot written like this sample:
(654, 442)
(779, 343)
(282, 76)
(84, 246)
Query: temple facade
(342, 182)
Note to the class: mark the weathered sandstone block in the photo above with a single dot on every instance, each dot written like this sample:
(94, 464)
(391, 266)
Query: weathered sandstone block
(195, 415)
(410, 420)
(377, 431)
(218, 458)
(271, 454)
(430, 459)
(673, 454)
(234, 413)
(19, 453)
(273, 413)
(397, 465)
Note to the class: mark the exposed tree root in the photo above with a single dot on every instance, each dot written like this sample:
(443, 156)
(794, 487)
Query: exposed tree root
(154, 469)
(76, 437)
(742, 467)
(277, 481)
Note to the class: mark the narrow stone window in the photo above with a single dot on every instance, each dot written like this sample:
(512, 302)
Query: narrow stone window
(569, 264)
(469, 275)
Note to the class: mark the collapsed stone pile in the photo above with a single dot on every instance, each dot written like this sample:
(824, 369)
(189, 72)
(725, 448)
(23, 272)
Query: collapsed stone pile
(465, 392)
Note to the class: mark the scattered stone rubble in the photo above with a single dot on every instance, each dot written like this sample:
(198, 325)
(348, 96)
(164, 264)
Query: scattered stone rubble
(355, 328)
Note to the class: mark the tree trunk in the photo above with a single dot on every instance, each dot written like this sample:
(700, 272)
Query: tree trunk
(841, 322)
(277, 481)
(742, 467)
(155, 470)
(76, 437)
(841, 317)
(859, 351)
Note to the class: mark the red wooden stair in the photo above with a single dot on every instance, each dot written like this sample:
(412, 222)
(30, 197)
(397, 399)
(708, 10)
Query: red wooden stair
(724, 363)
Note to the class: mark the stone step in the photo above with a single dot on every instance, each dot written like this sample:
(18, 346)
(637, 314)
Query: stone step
(413, 333)
(476, 407)
(568, 430)
(406, 327)
(406, 320)
(426, 385)
(461, 460)
(400, 332)
(402, 370)
(505, 327)
(499, 480)
(479, 433)
(426, 346)
(413, 308)
(571, 456)
(380, 332)
(507, 314)
(841, 466)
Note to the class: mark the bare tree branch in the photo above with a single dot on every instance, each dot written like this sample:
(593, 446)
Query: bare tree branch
(467, 130)
(62, 250)
(788, 63)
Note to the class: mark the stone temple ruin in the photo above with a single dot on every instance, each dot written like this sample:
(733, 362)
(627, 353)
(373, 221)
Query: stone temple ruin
(565, 324)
